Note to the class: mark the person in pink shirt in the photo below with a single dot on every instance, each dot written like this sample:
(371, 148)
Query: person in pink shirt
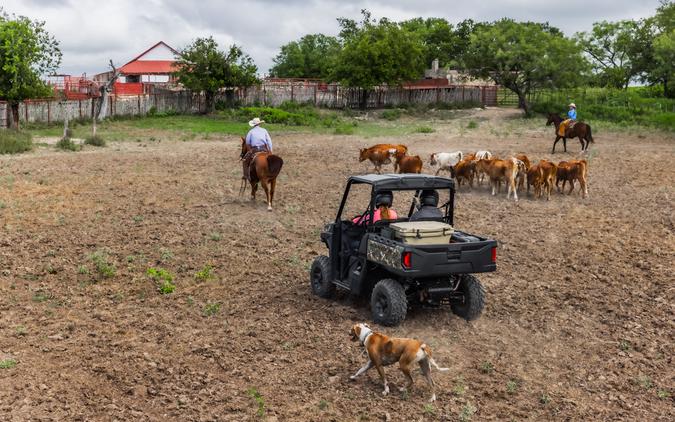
(383, 210)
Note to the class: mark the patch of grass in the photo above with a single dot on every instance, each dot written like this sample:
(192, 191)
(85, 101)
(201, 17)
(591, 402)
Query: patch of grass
(103, 267)
(663, 394)
(425, 129)
(82, 269)
(67, 144)
(205, 274)
(625, 346)
(468, 410)
(323, 404)
(391, 115)
(344, 130)
(511, 386)
(163, 279)
(15, 142)
(429, 409)
(211, 309)
(544, 399)
(7, 363)
(645, 382)
(41, 296)
(253, 392)
(21, 331)
(138, 218)
(487, 367)
(216, 237)
(459, 388)
(96, 141)
(472, 125)
(165, 255)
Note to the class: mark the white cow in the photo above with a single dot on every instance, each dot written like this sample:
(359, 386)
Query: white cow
(445, 160)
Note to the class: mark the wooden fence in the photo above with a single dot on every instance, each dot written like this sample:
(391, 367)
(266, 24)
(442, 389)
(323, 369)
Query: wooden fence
(186, 102)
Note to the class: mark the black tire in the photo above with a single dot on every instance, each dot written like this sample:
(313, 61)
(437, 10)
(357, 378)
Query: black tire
(474, 298)
(388, 302)
(319, 277)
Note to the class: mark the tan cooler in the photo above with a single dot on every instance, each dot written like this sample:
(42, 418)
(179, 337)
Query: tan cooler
(422, 232)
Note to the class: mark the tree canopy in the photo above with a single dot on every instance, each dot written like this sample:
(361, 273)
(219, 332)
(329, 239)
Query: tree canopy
(375, 53)
(201, 66)
(310, 57)
(440, 40)
(523, 56)
(27, 52)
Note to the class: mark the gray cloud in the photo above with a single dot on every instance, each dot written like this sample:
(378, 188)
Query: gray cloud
(91, 32)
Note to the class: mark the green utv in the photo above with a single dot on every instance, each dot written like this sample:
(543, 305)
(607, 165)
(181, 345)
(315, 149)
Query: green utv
(419, 259)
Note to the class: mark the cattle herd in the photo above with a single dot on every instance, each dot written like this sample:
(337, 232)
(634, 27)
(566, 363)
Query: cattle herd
(515, 172)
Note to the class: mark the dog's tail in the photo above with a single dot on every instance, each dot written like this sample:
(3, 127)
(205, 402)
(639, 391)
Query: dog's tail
(427, 351)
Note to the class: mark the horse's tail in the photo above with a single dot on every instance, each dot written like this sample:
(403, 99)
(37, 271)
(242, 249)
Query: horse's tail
(590, 135)
(274, 164)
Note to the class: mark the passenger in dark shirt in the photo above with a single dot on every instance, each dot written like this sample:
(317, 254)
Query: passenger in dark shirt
(428, 209)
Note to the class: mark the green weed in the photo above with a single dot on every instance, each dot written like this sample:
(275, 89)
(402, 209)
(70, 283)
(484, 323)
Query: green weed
(205, 274)
(323, 404)
(163, 278)
(67, 144)
(215, 236)
(544, 399)
(391, 115)
(7, 363)
(425, 129)
(511, 386)
(472, 125)
(486, 367)
(103, 267)
(467, 412)
(429, 409)
(253, 392)
(14, 142)
(663, 394)
(96, 141)
(165, 255)
(211, 309)
(459, 387)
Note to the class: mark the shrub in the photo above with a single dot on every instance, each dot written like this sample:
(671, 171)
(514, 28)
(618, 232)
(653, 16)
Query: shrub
(163, 278)
(425, 129)
(344, 130)
(205, 274)
(103, 267)
(67, 144)
(472, 125)
(14, 142)
(7, 363)
(96, 141)
(391, 115)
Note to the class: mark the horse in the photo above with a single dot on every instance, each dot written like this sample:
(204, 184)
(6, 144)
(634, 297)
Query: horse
(265, 168)
(580, 130)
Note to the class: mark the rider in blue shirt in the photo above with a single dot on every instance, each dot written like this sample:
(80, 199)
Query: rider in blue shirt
(572, 114)
(257, 140)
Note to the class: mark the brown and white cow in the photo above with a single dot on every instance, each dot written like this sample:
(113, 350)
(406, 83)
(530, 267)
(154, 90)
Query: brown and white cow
(381, 154)
(501, 170)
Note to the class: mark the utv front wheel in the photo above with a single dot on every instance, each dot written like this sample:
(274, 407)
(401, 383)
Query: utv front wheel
(319, 277)
(388, 302)
(473, 298)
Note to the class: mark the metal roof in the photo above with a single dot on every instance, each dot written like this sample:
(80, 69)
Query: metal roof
(141, 67)
(404, 181)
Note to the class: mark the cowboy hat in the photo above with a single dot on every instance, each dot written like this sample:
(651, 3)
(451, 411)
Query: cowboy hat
(255, 122)
(571, 105)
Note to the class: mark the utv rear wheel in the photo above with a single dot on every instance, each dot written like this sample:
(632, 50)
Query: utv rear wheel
(319, 277)
(473, 298)
(388, 302)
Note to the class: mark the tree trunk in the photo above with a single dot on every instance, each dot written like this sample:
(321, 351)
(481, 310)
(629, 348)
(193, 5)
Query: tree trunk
(229, 97)
(14, 116)
(364, 99)
(209, 102)
(105, 89)
(522, 103)
(65, 127)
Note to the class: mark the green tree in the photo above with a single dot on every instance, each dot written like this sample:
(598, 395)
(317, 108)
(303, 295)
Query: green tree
(376, 53)
(27, 52)
(310, 57)
(618, 51)
(440, 40)
(523, 57)
(202, 67)
(661, 69)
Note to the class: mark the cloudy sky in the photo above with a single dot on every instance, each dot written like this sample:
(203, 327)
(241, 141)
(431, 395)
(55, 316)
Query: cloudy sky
(91, 32)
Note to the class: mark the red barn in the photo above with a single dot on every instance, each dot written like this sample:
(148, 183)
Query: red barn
(154, 66)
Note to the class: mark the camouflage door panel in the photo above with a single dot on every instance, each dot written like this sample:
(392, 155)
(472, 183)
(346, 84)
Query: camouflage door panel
(384, 254)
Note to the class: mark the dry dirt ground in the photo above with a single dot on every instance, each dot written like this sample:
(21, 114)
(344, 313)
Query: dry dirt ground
(578, 325)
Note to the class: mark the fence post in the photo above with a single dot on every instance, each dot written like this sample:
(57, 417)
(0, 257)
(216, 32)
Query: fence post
(139, 104)
(315, 95)
(292, 93)
(49, 112)
(79, 104)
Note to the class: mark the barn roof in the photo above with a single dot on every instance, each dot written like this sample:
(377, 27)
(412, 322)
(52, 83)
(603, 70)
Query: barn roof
(148, 67)
(138, 66)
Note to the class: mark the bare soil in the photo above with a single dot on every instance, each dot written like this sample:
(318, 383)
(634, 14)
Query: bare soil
(578, 325)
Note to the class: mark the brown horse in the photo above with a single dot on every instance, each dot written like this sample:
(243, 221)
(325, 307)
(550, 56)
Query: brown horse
(580, 130)
(265, 168)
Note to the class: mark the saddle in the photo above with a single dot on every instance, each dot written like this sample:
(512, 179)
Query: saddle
(566, 127)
